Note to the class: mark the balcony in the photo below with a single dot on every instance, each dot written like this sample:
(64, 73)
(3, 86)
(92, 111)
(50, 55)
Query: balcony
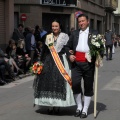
(111, 5)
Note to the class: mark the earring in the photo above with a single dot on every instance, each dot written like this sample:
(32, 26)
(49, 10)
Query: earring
(60, 30)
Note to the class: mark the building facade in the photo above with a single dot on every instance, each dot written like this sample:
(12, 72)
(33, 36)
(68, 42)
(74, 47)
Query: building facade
(117, 19)
(42, 12)
(6, 21)
(110, 7)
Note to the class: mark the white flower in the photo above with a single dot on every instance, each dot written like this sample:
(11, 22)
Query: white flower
(97, 45)
(93, 40)
(94, 36)
(103, 41)
(99, 36)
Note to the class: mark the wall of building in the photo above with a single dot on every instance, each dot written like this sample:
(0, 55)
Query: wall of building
(6, 21)
(117, 19)
(96, 12)
(110, 7)
(92, 7)
(2, 22)
(35, 14)
(27, 1)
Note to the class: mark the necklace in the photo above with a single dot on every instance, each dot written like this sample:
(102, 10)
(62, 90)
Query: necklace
(55, 37)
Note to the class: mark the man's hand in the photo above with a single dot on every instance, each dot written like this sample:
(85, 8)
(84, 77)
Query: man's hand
(71, 52)
(72, 58)
(97, 64)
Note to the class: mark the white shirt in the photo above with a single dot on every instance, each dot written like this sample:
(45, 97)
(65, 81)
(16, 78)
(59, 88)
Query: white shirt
(83, 41)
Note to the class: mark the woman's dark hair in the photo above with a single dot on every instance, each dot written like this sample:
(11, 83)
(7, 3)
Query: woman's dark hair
(37, 27)
(56, 20)
(11, 41)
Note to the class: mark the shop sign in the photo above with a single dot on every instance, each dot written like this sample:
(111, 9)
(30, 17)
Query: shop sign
(59, 2)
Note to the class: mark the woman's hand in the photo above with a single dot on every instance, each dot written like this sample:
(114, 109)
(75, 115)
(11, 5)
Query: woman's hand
(72, 58)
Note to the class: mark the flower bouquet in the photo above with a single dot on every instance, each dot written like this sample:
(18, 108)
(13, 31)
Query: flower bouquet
(37, 68)
(97, 45)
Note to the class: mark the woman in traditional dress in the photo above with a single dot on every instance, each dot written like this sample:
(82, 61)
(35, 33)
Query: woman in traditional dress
(51, 87)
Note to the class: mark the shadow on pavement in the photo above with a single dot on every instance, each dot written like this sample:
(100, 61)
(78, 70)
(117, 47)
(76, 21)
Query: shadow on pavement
(70, 111)
(100, 108)
(63, 111)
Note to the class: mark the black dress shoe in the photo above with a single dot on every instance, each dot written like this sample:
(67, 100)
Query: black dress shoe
(50, 111)
(78, 113)
(56, 110)
(83, 115)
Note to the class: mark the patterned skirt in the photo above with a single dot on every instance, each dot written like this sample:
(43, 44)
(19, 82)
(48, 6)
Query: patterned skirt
(50, 88)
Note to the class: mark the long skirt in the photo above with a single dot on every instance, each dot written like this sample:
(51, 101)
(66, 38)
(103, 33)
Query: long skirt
(50, 88)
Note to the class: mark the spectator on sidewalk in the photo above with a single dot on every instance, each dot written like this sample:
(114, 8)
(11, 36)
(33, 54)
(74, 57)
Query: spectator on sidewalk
(5, 67)
(42, 34)
(18, 33)
(71, 30)
(12, 58)
(109, 44)
(31, 44)
(37, 34)
(23, 57)
(26, 31)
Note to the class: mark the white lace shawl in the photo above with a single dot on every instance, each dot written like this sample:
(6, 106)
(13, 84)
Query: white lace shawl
(61, 41)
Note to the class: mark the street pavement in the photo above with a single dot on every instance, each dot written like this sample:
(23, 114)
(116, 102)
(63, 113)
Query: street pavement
(16, 99)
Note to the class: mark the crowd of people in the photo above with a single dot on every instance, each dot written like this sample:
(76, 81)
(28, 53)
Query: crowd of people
(24, 48)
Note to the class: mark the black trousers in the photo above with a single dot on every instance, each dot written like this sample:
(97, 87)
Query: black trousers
(5, 66)
(109, 56)
(83, 70)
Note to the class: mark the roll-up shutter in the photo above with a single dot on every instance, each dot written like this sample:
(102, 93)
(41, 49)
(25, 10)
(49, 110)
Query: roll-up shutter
(2, 21)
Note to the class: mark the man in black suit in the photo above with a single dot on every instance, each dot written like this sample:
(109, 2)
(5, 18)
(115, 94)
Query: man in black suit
(109, 44)
(18, 34)
(79, 43)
